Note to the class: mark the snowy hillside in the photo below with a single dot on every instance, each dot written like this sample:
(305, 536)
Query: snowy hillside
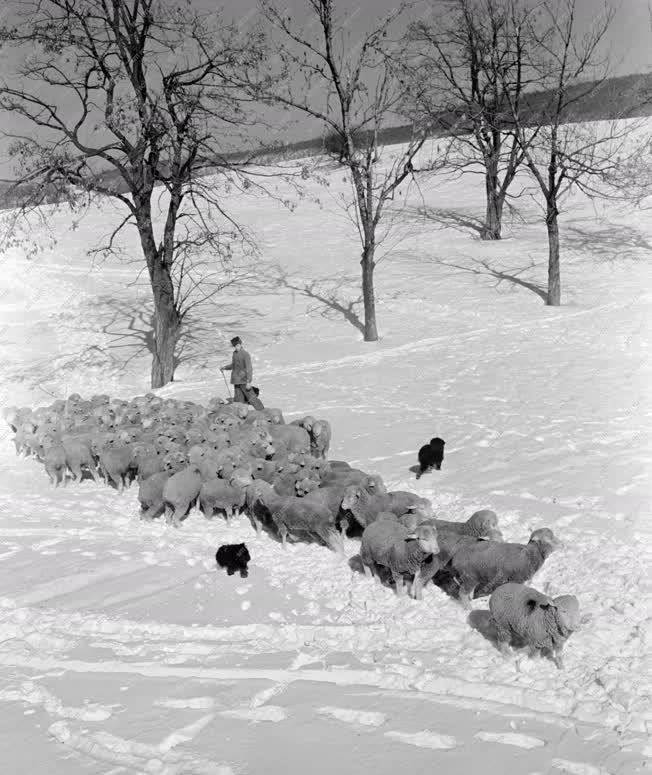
(123, 650)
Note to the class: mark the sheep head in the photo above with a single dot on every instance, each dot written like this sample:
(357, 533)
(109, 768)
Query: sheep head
(546, 540)
(568, 612)
(426, 535)
(482, 522)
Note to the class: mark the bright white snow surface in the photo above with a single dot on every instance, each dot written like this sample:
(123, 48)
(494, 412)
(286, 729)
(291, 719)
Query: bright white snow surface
(124, 650)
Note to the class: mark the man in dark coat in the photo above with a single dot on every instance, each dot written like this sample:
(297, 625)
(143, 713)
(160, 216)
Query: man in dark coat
(242, 375)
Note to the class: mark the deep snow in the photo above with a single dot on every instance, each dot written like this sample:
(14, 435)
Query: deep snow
(123, 649)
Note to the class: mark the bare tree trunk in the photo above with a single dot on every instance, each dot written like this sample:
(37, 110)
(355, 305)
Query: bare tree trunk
(554, 279)
(167, 321)
(167, 327)
(368, 294)
(492, 228)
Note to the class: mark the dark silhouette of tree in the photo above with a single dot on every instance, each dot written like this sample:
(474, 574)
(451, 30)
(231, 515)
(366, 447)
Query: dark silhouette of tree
(136, 100)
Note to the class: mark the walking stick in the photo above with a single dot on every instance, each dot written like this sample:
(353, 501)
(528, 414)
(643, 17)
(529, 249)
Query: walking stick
(228, 389)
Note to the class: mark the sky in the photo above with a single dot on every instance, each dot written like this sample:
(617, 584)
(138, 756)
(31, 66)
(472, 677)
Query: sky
(629, 38)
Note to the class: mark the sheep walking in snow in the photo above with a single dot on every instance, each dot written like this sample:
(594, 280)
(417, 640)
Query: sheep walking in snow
(299, 517)
(524, 615)
(387, 543)
(481, 524)
(180, 494)
(150, 495)
(483, 566)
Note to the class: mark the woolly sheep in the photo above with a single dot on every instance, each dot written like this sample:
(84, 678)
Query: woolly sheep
(55, 464)
(219, 495)
(298, 516)
(320, 438)
(265, 417)
(78, 455)
(480, 524)
(365, 506)
(150, 495)
(532, 619)
(482, 567)
(180, 493)
(291, 438)
(388, 543)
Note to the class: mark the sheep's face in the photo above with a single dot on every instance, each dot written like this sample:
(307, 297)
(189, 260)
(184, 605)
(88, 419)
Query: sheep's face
(427, 537)
(351, 498)
(483, 521)
(546, 540)
(568, 612)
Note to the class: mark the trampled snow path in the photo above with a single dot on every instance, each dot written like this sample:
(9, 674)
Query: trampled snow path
(122, 649)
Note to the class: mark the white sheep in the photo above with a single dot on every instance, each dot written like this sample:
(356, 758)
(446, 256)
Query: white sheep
(483, 566)
(180, 493)
(532, 619)
(307, 516)
(386, 542)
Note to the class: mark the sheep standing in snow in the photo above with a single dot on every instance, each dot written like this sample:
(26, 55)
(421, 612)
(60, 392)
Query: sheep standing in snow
(320, 438)
(150, 495)
(482, 567)
(388, 543)
(543, 624)
(480, 524)
(365, 506)
(299, 517)
(180, 494)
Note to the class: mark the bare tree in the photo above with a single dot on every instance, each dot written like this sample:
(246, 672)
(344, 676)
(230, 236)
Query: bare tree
(466, 70)
(561, 153)
(135, 100)
(354, 90)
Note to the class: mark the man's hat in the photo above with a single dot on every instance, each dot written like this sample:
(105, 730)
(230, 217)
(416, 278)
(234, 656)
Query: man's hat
(236, 340)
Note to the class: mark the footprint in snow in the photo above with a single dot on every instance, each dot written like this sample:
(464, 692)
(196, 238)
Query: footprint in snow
(424, 739)
(352, 716)
(510, 738)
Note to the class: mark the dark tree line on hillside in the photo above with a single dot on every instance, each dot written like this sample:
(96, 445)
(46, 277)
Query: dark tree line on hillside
(160, 95)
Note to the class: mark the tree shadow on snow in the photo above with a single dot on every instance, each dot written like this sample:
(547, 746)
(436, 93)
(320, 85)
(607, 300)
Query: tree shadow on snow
(128, 327)
(329, 295)
(444, 218)
(615, 241)
(482, 268)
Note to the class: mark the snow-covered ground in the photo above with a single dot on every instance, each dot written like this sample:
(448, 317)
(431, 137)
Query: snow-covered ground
(123, 650)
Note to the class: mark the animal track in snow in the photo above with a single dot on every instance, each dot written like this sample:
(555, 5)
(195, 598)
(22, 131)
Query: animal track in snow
(578, 768)
(510, 738)
(424, 739)
(264, 713)
(352, 716)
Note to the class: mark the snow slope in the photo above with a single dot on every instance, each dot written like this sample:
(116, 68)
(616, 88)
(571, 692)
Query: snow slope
(123, 650)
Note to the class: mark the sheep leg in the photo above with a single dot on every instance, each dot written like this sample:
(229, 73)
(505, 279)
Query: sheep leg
(417, 587)
(398, 583)
(465, 596)
(283, 532)
(368, 571)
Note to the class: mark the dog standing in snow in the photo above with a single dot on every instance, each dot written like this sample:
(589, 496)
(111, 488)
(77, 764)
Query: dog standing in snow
(431, 456)
(233, 557)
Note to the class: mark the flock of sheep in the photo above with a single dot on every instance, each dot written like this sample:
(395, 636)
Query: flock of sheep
(228, 458)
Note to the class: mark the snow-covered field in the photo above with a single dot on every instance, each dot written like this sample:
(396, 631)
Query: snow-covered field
(123, 650)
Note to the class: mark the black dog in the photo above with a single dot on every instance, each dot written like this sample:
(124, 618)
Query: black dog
(233, 557)
(431, 456)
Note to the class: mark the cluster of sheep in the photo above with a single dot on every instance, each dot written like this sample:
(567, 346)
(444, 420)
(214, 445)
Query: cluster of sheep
(229, 458)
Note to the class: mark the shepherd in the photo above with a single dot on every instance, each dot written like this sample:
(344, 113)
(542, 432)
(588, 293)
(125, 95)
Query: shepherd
(242, 375)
